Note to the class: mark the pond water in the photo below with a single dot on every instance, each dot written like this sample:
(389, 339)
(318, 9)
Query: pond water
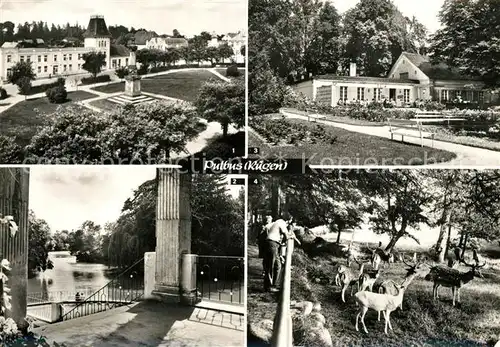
(68, 279)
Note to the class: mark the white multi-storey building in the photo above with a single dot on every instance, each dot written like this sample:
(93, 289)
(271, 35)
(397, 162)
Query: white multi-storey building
(236, 41)
(54, 61)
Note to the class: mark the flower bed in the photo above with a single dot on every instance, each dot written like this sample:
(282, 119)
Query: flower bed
(279, 132)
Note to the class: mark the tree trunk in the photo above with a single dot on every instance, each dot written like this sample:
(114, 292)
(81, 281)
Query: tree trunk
(393, 241)
(464, 245)
(275, 198)
(225, 129)
(460, 244)
(448, 241)
(339, 232)
(445, 219)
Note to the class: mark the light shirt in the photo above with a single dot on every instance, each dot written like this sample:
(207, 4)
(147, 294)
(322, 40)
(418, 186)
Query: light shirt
(276, 229)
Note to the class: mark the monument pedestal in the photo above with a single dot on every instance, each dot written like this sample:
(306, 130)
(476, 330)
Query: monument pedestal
(132, 94)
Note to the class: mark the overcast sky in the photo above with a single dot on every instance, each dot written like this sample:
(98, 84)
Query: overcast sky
(426, 11)
(67, 196)
(163, 16)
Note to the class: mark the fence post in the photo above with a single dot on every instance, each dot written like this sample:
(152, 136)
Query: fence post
(149, 274)
(56, 312)
(188, 278)
(282, 327)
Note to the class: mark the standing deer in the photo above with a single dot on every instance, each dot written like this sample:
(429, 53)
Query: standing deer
(391, 287)
(349, 277)
(453, 278)
(386, 303)
(380, 256)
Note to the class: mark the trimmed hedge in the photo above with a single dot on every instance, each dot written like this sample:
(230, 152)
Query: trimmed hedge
(98, 79)
(3, 93)
(232, 71)
(44, 87)
(279, 132)
(57, 95)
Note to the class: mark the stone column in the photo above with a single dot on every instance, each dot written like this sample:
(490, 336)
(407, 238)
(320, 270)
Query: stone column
(14, 193)
(173, 231)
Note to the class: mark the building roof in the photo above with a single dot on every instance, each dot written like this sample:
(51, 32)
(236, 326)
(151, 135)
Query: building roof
(440, 71)
(10, 45)
(365, 79)
(97, 28)
(119, 51)
(141, 36)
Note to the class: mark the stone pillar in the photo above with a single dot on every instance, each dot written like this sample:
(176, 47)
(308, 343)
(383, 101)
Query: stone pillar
(14, 193)
(173, 230)
(132, 85)
(149, 274)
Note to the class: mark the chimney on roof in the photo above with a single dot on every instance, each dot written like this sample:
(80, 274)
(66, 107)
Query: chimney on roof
(352, 70)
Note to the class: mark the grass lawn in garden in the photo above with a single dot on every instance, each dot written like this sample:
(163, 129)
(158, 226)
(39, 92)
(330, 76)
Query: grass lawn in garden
(21, 120)
(184, 85)
(423, 322)
(352, 148)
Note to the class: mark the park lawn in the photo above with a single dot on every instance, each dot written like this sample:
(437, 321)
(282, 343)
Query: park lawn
(352, 148)
(184, 85)
(111, 88)
(105, 105)
(21, 120)
(422, 322)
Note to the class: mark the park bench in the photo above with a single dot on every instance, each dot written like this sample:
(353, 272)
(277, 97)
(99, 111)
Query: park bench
(436, 117)
(409, 128)
(311, 117)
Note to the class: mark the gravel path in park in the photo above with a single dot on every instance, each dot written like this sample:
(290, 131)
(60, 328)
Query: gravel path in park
(466, 155)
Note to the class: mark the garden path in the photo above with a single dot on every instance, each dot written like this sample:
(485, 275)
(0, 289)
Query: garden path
(148, 324)
(466, 155)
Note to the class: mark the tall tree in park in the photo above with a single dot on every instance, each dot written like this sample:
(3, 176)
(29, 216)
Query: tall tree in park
(222, 102)
(376, 33)
(469, 38)
(38, 245)
(20, 70)
(325, 46)
(402, 197)
(94, 62)
(225, 51)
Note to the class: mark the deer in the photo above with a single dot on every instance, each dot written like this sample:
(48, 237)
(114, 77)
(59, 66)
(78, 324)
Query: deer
(349, 277)
(391, 287)
(386, 303)
(379, 256)
(453, 278)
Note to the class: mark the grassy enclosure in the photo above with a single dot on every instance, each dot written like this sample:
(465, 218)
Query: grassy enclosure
(422, 322)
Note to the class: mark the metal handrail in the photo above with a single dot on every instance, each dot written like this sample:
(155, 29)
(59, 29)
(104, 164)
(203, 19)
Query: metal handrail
(282, 328)
(91, 298)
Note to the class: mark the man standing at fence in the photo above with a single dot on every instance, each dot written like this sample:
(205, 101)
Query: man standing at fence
(261, 239)
(276, 231)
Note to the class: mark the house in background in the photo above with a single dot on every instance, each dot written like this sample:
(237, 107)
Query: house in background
(56, 61)
(411, 78)
(166, 43)
(236, 41)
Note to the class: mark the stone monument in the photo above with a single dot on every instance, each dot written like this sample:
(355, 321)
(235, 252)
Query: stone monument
(132, 94)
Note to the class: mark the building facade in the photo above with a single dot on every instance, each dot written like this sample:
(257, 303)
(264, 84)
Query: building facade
(53, 61)
(236, 41)
(166, 43)
(411, 78)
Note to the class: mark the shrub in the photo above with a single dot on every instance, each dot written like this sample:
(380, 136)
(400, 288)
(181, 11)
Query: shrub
(24, 85)
(232, 71)
(3, 93)
(98, 79)
(60, 81)
(57, 95)
(121, 72)
(10, 152)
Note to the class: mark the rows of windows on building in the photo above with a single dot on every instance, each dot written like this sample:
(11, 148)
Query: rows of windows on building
(445, 95)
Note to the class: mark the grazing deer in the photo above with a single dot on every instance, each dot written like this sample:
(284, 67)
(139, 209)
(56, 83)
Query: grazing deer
(453, 278)
(386, 303)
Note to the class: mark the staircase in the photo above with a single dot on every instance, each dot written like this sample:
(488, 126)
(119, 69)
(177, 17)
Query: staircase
(124, 99)
(124, 289)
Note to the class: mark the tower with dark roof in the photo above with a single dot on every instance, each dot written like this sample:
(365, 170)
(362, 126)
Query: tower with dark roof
(97, 36)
